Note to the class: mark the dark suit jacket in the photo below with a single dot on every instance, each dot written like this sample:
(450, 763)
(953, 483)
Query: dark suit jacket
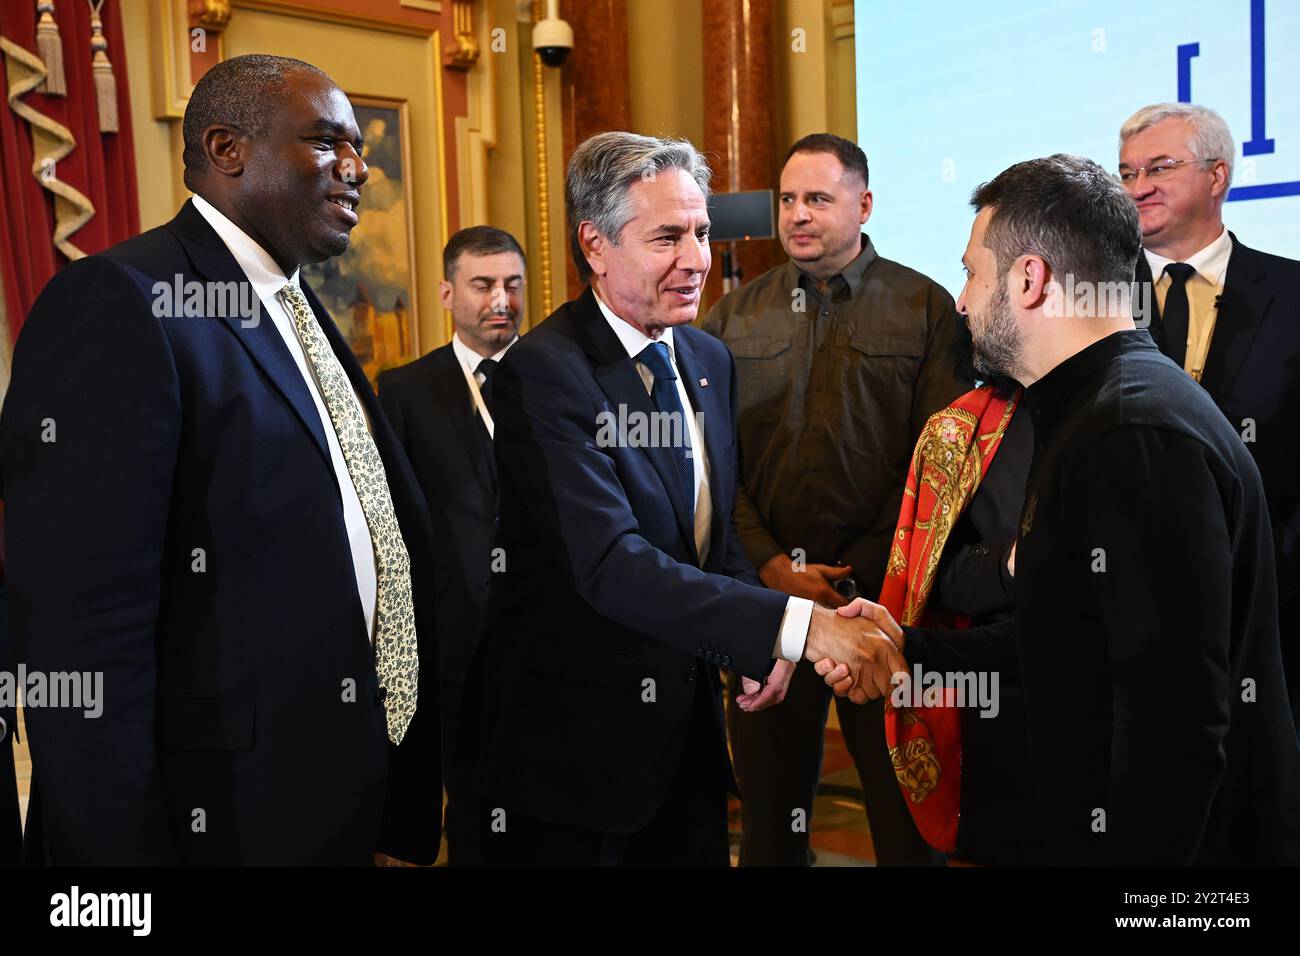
(228, 733)
(429, 406)
(1145, 628)
(1253, 371)
(10, 820)
(602, 590)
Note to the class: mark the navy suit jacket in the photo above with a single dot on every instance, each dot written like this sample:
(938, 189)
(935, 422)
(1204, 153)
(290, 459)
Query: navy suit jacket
(603, 623)
(428, 404)
(174, 523)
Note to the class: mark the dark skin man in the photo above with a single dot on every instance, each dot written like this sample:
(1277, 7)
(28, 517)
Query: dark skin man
(295, 190)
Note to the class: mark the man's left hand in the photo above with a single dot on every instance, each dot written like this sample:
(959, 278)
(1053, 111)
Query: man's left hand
(756, 696)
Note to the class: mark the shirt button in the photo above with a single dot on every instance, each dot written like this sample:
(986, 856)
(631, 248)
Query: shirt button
(690, 674)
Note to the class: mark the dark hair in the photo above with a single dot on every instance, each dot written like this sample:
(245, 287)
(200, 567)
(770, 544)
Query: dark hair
(243, 92)
(1066, 209)
(477, 241)
(849, 153)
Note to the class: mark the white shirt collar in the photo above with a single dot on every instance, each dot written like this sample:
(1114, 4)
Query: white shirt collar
(262, 271)
(470, 359)
(1211, 263)
(633, 339)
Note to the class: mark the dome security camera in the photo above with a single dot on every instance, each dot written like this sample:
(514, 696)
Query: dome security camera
(552, 37)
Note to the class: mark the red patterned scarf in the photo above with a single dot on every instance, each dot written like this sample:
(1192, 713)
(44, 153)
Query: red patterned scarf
(952, 456)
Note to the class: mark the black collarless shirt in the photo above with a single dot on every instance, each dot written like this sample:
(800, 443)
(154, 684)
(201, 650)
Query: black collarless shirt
(1145, 626)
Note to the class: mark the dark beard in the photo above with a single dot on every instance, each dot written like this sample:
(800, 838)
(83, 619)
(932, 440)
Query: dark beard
(968, 369)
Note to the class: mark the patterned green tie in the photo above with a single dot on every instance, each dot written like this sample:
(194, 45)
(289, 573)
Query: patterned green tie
(396, 658)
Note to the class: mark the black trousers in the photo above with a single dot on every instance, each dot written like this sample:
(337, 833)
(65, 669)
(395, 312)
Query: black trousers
(689, 828)
(460, 778)
(778, 759)
(11, 834)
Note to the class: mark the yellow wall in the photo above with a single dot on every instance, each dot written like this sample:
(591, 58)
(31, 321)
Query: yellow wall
(666, 68)
(157, 142)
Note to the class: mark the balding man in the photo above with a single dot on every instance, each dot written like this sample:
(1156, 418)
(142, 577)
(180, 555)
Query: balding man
(207, 507)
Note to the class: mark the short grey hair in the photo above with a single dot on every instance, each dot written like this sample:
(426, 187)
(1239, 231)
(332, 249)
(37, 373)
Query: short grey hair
(603, 169)
(1210, 139)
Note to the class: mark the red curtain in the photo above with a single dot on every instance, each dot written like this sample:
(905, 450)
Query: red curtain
(100, 166)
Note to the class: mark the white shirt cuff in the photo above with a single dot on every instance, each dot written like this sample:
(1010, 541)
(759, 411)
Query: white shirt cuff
(793, 634)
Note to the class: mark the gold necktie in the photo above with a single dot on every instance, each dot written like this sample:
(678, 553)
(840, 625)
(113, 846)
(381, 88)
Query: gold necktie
(396, 658)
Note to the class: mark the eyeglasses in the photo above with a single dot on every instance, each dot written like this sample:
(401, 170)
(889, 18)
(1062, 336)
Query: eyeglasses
(1158, 170)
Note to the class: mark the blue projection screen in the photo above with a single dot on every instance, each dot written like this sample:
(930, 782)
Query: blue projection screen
(951, 92)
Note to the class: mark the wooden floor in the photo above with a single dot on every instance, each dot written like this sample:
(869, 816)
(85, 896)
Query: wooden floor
(23, 764)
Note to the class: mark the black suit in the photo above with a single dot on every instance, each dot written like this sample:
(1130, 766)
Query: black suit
(601, 722)
(10, 821)
(429, 405)
(242, 721)
(1253, 373)
(1145, 626)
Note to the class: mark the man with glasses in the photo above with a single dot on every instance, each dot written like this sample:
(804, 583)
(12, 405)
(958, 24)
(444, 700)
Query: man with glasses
(1229, 315)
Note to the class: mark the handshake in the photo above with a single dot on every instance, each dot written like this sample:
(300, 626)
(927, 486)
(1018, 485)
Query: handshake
(856, 649)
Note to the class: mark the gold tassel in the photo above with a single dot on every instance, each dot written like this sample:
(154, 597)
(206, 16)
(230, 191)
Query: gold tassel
(105, 84)
(50, 49)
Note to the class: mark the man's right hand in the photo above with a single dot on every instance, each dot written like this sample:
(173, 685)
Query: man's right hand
(813, 581)
(854, 652)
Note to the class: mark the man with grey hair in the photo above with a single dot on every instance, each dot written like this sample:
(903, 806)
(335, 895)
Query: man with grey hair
(1228, 314)
(622, 585)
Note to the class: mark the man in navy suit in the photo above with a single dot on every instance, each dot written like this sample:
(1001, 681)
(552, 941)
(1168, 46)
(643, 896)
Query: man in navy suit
(598, 702)
(438, 406)
(207, 506)
(1228, 314)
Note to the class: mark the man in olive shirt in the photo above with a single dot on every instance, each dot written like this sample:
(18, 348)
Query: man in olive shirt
(841, 357)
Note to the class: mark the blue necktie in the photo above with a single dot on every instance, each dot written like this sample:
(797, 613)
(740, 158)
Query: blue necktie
(655, 357)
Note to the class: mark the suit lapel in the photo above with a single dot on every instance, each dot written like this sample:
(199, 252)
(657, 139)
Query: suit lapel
(617, 377)
(1242, 309)
(708, 402)
(454, 401)
(213, 261)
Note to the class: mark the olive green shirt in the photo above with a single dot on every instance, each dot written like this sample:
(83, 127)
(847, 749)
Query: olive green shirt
(835, 385)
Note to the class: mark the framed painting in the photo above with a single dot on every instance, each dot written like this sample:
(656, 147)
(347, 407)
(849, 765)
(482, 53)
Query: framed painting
(370, 289)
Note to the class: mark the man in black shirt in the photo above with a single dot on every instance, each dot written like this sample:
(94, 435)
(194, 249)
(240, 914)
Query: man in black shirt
(1145, 624)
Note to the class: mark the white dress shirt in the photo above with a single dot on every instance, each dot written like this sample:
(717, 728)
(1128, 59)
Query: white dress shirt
(798, 611)
(1203, 291)
(267, 279)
